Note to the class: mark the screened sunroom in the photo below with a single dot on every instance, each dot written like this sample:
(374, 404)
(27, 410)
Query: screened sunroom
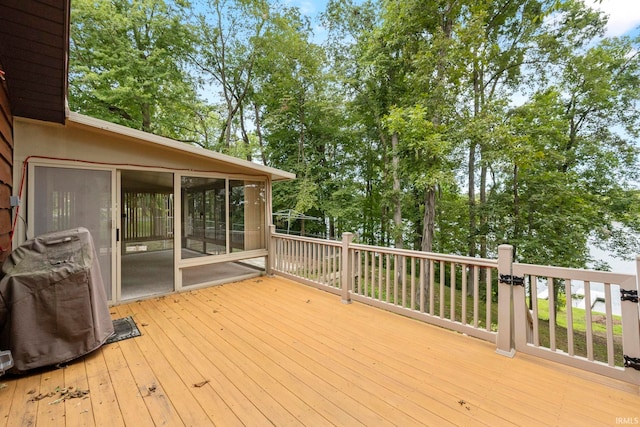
(164, 216)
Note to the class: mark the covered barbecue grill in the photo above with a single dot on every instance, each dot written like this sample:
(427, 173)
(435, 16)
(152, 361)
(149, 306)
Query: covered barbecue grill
(53, 306)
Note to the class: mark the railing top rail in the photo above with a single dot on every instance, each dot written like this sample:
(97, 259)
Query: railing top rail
(481, 262)
(573, 274)
(307, 239)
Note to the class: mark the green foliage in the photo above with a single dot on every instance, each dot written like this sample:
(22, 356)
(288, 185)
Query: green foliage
(456, 126)
(128, 63)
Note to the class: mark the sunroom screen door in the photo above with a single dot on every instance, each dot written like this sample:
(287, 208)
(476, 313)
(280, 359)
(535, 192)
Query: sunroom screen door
(66, 198)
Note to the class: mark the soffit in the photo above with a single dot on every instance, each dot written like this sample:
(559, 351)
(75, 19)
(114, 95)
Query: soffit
(34, 45)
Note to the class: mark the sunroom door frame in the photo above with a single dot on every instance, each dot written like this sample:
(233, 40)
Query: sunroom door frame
(112, 298)
(181, 263)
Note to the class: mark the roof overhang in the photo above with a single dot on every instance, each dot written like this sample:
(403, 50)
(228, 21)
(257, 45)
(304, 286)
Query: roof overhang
(34, 46)
(80, 120)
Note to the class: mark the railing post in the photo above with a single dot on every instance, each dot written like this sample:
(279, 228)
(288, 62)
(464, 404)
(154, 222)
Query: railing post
(271, 250)
(505, 298)
(345, 268)
(631, 324)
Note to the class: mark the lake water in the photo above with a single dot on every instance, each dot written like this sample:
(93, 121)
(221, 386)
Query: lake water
(597, 289)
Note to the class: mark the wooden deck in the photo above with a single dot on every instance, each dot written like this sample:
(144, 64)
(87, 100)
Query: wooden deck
(270, 351)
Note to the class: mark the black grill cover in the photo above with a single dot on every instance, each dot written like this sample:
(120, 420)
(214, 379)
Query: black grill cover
(53, 306)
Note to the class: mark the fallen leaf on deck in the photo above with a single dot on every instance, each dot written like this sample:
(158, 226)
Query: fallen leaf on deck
(69, 393)
(42, 396)
(201, 383)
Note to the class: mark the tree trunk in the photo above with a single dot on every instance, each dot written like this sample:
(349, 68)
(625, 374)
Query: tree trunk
(483, 204)
(472, 199)
(146, 117)
(263, 156)
(245, 136)
(428, 222)
(397, 197)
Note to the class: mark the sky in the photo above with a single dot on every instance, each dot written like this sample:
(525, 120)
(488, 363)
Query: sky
(624, 15)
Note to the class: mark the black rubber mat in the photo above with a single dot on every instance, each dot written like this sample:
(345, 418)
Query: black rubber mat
(124, 328)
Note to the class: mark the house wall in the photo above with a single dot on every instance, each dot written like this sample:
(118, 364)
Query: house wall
(77, 142)
(6, 169)
(99, 146)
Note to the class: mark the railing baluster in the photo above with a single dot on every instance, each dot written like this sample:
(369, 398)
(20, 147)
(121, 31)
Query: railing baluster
(355, 271)
(403, 279)
(463, 315)
(432, 287)
(388, 278)
(489, 301)
(413, 283)
(299, 258)
(325, 272)
(336, 266)
(423, 262)
(452, 288)
(373, 274)
(366, 273)
(307, 270)
(292, 261)
(314, 261)
(442, 289)
(395, 279)
(309, 262)
(294, 257)
(380, 269)
(609, 314)
(552, 313)
(320, 261)
(533, 281)
(588, 319)
(330, 271)
(569, 311)
(476, 295)
(286, 256)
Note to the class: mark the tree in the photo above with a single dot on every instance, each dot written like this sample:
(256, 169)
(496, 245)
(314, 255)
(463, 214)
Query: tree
(573, 162)
(229, 41)
(129, 62)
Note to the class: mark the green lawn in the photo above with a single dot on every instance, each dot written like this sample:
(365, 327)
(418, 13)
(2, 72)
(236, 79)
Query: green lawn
(579, 319)
(579, 332)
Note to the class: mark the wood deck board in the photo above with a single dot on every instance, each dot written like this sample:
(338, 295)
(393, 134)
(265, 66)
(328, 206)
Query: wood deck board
(548, 388)
(104, 401)
(51, 410)
(394, 360)
(186, 366)
(176, 341)
(130, 400)
(414, 397)
(280, 358)
(23, 411)
(257, 384)
(239, 348)
(400, 403)
(271, 351)
(78, 412)
(153, 376)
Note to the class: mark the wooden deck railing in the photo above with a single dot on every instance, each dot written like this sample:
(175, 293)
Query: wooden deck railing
(450, 291)
(484, 298)
(583, 337)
